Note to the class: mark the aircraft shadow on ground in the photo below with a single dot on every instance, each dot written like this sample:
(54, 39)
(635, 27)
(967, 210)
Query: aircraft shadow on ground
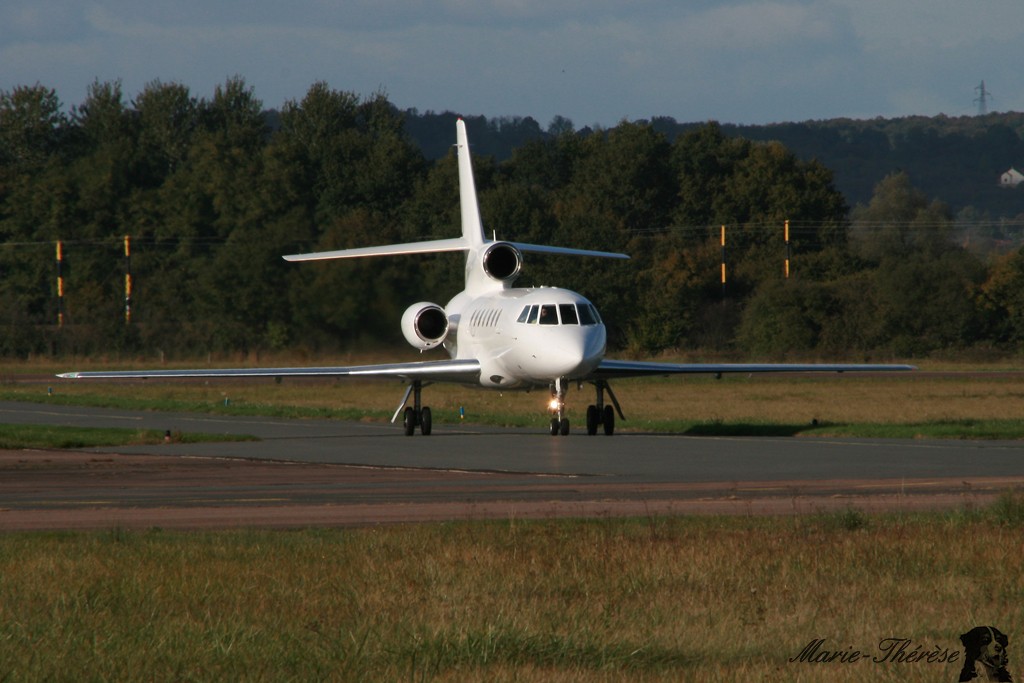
(746, 429)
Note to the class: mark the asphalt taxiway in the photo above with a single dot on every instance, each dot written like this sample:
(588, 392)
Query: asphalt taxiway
(320, 472)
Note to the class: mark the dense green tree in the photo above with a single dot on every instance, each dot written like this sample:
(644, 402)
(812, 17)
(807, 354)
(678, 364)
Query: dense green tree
(32, 127)
(168, 118)
(705, 161)
(899, 221)
(213, 191)
(914, 293)
(1002, 299)
(358, 169)
(35, 200)
(925, 284)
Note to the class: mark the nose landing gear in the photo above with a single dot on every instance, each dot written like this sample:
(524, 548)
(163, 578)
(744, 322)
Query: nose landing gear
(559, 422)
(598, 414)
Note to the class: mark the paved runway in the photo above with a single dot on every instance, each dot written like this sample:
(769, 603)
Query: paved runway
(327, 472)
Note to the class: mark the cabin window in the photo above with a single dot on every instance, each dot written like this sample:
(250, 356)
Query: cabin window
(549, 314)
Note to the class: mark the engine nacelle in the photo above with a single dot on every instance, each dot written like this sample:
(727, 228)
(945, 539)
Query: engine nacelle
(502, 262)
(424, 325)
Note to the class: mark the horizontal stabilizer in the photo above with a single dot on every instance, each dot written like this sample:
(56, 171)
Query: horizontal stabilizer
(543, 249)
(426, 247)
(433, 246)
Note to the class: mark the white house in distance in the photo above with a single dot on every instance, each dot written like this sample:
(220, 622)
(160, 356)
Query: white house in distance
(1011, 178)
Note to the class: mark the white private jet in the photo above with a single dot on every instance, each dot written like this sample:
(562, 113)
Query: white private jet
(497, 336)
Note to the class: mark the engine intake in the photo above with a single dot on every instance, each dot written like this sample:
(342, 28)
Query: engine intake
(424, 325)
(502, 262)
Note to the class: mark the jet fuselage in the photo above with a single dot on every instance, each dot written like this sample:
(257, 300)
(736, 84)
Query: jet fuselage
(526, 337)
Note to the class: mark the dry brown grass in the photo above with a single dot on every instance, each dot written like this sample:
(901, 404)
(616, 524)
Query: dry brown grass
(900, 398)
(606, 600)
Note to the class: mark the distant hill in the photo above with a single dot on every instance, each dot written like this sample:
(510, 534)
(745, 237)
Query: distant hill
(957, 160)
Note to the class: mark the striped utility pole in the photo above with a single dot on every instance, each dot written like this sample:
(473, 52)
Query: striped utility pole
(127, 279)
(789, 251)
(723, 260)
(60, 284)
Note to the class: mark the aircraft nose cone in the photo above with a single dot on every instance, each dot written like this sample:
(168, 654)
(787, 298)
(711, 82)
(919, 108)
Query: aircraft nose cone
(565, 356)
(574, 354)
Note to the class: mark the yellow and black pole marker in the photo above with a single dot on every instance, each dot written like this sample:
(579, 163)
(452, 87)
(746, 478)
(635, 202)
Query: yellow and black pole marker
(723, 260)
(60, 284)
(789, 250)
(127, 279)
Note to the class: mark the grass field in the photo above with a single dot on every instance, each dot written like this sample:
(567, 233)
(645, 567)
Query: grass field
(654, 599)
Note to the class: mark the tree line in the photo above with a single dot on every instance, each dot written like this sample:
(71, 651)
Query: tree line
(959, 159)
(212, 191)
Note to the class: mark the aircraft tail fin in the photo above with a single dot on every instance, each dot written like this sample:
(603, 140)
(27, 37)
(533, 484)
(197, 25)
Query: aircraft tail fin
(472, 239)
(472, 225)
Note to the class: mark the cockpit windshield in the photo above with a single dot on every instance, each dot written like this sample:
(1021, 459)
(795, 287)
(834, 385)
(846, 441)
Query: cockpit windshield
(559, 314)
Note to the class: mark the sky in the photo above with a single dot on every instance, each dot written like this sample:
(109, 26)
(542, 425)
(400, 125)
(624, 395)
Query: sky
(592, 61)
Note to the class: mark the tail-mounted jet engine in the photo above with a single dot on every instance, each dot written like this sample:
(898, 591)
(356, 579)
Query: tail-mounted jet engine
(424, 325)
(502, 262)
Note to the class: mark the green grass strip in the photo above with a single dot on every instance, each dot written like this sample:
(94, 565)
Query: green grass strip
(17, 436)
(231, 407)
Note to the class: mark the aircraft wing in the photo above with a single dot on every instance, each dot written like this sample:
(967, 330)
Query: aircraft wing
(610, 369)
(465, 371)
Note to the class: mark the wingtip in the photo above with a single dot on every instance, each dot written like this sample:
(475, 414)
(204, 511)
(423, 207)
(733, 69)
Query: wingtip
(68, 375)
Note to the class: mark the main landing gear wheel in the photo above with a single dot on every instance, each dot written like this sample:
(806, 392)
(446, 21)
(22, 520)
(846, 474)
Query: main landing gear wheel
(609, 421)
(409, 421)
(597, 418)
(600, 414)
(415, 415)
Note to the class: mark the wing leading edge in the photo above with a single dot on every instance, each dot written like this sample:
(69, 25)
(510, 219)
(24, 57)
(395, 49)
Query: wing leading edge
(462, 371)
(610, 369)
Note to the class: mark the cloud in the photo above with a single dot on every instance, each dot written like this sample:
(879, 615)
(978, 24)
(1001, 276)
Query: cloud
(595, 61)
